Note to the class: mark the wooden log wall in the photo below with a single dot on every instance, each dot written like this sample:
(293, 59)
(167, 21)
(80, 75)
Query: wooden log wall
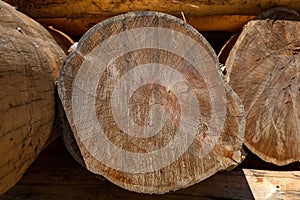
(29, 63)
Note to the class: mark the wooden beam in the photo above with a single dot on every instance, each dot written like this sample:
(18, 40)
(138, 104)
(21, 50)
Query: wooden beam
(273, 184)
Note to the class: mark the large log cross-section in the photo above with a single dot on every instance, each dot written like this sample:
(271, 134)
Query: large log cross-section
(148, 107)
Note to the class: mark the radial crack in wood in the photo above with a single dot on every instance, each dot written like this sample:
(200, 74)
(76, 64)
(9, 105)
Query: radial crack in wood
(263, 68)
(148, 106)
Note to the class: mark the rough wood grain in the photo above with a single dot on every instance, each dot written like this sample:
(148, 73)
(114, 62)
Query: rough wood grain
(55, 175)
(29, 60)
(149, 109)
(264, 70)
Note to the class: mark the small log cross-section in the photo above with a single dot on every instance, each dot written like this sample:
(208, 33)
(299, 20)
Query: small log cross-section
(263, 68)
(148, 107)
(29, 60)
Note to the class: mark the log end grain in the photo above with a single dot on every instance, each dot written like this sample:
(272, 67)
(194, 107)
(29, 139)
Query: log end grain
(263, 68)
(148, 106)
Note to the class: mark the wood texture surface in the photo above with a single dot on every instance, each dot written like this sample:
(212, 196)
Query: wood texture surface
(264, 69)
(29, 60)
(55, 175)
(76, 17)
(149, 109)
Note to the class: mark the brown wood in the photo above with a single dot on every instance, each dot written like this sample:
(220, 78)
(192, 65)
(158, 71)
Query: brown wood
(76, 9)
(263, 68)
(76, 17)
(55, 175)
(79, 25)
(65, 42)
(149, 109)
(29, 60)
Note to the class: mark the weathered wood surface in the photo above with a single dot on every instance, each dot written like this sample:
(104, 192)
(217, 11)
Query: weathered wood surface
(264, 69)
(29, 60)
(76, 17)
(55, 175)
(149, 109)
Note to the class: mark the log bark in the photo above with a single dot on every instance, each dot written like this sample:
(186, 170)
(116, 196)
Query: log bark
(29, 61)
(148, 106)
(263, 68)
(76, 17)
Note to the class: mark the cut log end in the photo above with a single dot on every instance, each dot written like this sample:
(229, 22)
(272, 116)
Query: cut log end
(263, 68)
(148, 106)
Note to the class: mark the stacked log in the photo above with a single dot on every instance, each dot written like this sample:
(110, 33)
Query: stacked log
(263, 68)
(29, 62)
(148, 105)
(76, 17)
(142, 100)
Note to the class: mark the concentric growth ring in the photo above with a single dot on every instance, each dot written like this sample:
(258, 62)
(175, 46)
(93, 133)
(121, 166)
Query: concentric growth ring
(147, 104)
(85, 107)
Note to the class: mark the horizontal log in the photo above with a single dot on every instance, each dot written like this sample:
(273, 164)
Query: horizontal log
(29, 61)
(77, 9)
(78, 26)
(71, 16)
